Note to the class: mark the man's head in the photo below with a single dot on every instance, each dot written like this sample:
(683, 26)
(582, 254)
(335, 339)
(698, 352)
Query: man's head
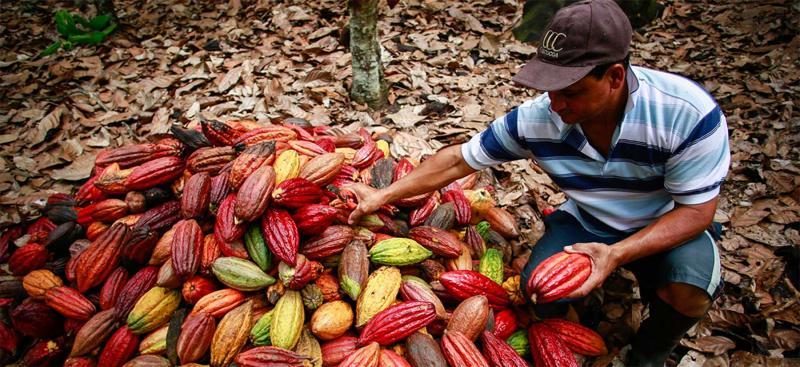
(578, 38)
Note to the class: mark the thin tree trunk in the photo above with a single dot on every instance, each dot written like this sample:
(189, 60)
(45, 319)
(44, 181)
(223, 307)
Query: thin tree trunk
(369, 85)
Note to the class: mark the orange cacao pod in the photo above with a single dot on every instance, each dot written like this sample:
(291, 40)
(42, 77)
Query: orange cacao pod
(218, 303)
(97, 262)
(106, 211)
(231, 334)
(37, 282)
(274, 133)
(196, 288)
(502, 221)
(250, 160)
(323, 168)
(470, 317)
(69, 302)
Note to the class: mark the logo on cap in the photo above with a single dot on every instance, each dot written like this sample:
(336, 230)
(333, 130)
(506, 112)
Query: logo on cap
(549, 43)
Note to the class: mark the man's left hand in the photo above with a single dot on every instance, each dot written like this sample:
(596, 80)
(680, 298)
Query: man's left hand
(603, 263)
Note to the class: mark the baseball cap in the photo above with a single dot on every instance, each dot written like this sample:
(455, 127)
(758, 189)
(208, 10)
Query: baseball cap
(578, 38)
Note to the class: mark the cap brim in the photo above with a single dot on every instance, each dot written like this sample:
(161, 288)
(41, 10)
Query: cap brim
(542, 76)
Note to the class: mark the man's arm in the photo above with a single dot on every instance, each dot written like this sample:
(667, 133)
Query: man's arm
(674, 228)
(446, 166)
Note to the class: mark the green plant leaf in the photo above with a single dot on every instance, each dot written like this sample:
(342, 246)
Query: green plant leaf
(99, 22)
(50, 49)
(81, 20)
(65, 24)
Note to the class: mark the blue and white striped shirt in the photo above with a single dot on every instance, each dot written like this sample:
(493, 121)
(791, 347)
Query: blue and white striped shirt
(672, 146)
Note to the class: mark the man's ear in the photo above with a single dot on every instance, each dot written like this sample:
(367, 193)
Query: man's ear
(616, 74)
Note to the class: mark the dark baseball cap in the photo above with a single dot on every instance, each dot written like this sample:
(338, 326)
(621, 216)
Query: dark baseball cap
(578, 38)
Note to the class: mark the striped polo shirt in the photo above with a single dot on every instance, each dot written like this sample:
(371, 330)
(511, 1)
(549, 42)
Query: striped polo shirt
(672, 146)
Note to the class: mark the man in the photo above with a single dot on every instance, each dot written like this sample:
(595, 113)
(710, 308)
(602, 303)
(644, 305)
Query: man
(640, 154)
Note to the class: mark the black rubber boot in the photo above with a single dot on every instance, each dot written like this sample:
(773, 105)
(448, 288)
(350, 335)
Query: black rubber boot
(658, 335)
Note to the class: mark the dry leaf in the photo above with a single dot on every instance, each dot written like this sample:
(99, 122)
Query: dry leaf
(230, 79)
(407, 116)
(79, 169)
(710, 344)
(51, 121)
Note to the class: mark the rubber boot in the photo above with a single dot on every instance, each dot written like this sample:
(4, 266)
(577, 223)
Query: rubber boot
(658, 335)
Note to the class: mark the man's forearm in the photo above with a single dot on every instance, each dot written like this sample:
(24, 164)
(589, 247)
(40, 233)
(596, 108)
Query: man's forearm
(435, 172)
(670, 230)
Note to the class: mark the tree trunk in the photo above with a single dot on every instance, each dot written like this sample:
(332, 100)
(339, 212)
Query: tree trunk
(369, 85)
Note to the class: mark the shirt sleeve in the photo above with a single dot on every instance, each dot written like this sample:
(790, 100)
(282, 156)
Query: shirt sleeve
(501, 142)
(698, 166)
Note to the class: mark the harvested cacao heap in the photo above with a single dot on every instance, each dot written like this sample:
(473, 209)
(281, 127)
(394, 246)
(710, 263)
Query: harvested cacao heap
(229, 243)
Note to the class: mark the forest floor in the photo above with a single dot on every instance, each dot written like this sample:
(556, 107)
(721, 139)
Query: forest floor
(449, 66)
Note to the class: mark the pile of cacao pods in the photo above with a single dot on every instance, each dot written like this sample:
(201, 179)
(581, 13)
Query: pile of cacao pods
(227, 243)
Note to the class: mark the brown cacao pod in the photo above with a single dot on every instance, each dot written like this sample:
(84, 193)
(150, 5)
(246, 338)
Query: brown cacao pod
(148, 361)
(37, 282)
(353, 269)
(423, 351)
(219, 191)
(444, 216)
(440, 241)
(196, 195)
(322, 169)
(94, 333)
(548, 349)
(221, 133)
(328, 243)
(329, 286)
(267, 356)
(557, 276)
(132, 155)
(210, 159)
(253, 197)
(502, 221)
(470, 317)
(578, 338)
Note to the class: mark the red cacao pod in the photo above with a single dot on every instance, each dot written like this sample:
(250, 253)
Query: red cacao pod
(557, 276)
(463, 284)
(196, 195)
(296, 192)
(312, 219)
(397, 322)
(69, 302)
(439, 241)
(460, 351)
(186, 248)
(548, 349)
(119, 348)
(112, 288)
(281, 234)
(139, 284)
(498, 353)
(328, 243)
(196, 288)
(27, 258)
(578, 338)
(97, 262)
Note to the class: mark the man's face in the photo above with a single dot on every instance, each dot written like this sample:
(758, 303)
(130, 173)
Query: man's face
(587, 99)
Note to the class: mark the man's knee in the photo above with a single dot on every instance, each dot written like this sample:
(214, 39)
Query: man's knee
(686, 299)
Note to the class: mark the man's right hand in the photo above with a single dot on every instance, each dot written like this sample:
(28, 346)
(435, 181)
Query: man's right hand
(369, 200)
